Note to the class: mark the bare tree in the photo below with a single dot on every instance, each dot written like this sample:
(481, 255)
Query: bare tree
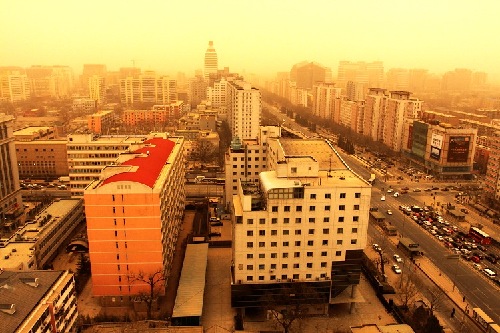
(155, 283)
(409, 288)
(204, 152)
(435, 297)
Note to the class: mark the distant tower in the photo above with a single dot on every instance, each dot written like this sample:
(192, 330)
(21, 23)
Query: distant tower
(210, 60)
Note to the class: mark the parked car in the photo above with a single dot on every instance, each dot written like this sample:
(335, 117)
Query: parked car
(417, 190)
(216, 224)
(397, 258)
(376, 247)
(396, 194)
(382, 198)
(390, 190)
(396, 269)
(389, 212)
(475, 259)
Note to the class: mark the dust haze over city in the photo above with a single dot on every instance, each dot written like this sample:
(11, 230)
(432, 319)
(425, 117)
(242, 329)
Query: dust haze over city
(194, 166)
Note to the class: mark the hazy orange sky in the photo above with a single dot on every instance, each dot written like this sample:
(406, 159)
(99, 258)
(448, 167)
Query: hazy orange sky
(257, 36)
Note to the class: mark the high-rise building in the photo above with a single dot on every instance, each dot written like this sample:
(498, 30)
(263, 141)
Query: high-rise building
(458, 80)
(134, 213)
(51, 81)
(371, 73)
(90, 70)
(148, 88)
(244, 110)
(10, 196)
(38, 301)
(14, 85)
(324, 95)
(376, 100)
(303, 226)
(492, 182)
(398, 79)
(197, 90)
(97, 89)
(355, 91)
(307, 74)
(211, 62)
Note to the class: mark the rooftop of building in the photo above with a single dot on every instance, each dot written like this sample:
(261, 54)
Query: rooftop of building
(20, 293)
(101, 113)
(86, 138)
(146, 164)
(319, 149)
(5, 117)
(30, 130)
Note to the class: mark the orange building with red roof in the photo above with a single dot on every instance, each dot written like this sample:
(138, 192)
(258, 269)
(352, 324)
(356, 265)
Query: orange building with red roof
(134, 213)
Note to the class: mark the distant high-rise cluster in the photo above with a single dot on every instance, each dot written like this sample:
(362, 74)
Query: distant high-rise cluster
(211, 61)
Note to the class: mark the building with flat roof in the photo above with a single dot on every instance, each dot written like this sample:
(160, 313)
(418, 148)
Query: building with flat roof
(244, 110)
(159, 115)
(10, 194)
(35, 244)
(134, 213)
(37, 301)
(305, 222)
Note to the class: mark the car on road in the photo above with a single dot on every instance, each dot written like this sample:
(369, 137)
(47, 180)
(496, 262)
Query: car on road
(397, 258)
(475, 259)
(396, 269)
(417, 190)
(406, 188)
(428, 190)
(389, 212)
(477, 266)
(382, 198)
(376, 247)
(390, 190)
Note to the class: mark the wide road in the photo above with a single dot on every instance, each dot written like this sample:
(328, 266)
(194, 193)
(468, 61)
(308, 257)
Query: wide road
(478, 290)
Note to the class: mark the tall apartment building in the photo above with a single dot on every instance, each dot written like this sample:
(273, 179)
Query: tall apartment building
(51, 81)
(324, 95)
(492, 181)
(197, 90)
(90, 70)
(351, 114)
(400, 110)
(97, 89)
(88, 154)
(148, 88)
(14, 85)
(398, 79)
(211, 63)
(355, 91)
(38, 301)
(10, 195)
(304, 223)
(369, 73)
(134, 213)
(246, 160)
(100, 121)
(40, 154)
(217, 94)
(244, 110)
(375, 102)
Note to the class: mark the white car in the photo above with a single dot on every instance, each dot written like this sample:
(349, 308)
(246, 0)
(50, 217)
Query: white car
(390, 190)
(396, 269)
(389, 212)
(383, 198)
(396, 194)
(397, 258)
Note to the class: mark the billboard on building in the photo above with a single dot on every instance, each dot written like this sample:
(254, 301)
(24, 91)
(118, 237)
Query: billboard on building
(458, 149)
(436, 146)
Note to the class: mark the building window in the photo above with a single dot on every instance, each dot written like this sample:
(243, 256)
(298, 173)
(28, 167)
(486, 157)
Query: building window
(338, 253)
(249, 267)
(249, 278)
(341, 219)
(262, 232)
(262, 221)
(297, 243)
(328, 195)
(340, 230)
(274, 255)
(355, 218)
(309, 265)
(262, 255)
(249, 255)
(357, 195)
(286, 232)
(284, 277)
(326, 231)
(312, 208)
(296, 254)
(354, 241)
(298, 220)
(293, 170)
(324, 254)
(326, 219)
(273, 266)
(261, 278)
(274, 232)
(296, 265)
(285, 254)
(327, 208)
(312, 220)
(310, 243)
(285, 243)
(354, 230)
(249, 221)
(286, 220)
(309, 254)
(298, 232)
(249, 244)
(287, 208)
(273, 277)
(274, 220)
(342, 195)
(311, 231)
(274, 244)
(298, 208)
(313, 196)
(356, 207)
(323, 264)
(325, 242)
(308, 276)
(339, 241)
(262, 266)
(249, 232)
(262, 244)
(341, 207)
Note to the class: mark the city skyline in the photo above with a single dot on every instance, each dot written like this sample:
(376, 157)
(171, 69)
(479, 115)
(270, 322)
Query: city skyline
(251, 37)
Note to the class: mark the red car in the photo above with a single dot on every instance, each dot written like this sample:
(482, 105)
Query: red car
(475, 259)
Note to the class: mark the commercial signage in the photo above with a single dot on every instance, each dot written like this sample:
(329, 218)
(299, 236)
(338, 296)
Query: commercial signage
(436, 146)
(458, 149)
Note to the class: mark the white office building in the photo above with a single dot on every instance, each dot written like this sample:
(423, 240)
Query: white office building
(244, 110)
